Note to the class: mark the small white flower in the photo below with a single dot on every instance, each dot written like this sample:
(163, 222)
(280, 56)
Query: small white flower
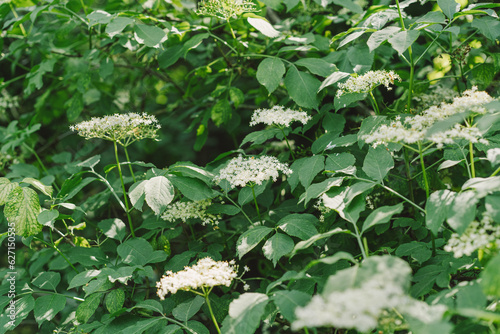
(367, 82)
(279, 116)
(246, 287)
(243, 170)
(191, 210)
(122, 128)
(205, 273)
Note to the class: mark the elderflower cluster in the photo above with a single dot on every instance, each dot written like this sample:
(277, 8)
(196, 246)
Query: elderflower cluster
(478, 235)
(279, 116)
(363, 308)
(434, 97)
(225, 9)
(122, 128)
(206, 273)
(320, 206)
(367, 82)
(7, 101)
(413, 129)
(241, 171)
(191, 210)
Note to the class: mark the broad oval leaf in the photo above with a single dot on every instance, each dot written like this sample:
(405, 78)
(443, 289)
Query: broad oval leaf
(378, 162)
(159, 192)
(381, 215)
(302, 88)
(277, 246)
(251, 238)
(270, 72)
(22, 208)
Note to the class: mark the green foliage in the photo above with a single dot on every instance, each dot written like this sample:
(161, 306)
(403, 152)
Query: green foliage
(95, 225)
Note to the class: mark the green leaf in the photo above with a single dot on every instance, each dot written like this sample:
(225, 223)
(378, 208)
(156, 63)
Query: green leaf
(159, 192)
(490, 277)
(340, 163)
(349, 4)
(288, 301)
(114, 300)
(141, 326)
(75, 106)
(47, 307)
(449, 7)
(47, 217)
(83, 278)
(462, 211)
(187, 310)
(277, 246)
(113, 228)
(116, 25)
(345, 100)
(246, 195)
(307, 243)
(251, 238)
(302, 88)
(245, 313)
(148, 35)
(311, 166)
(6, 188)
(378, 162)
(90, 162)
(417, 250)
(431, 17)
(488, 26)
(381, 215)
(194, 189)
(22, 209)
(99, 17)
(318, 189)
(300, 225)
(317, 66)
(88, 307)
(483, 186)
(47, 190)
(23, 306)
(332, 79)
(262, 25)
(270, 72)
(331, 260)
(47, 280)
(88, 257)
(436, 209)
(435, 327)
(378, 37)
(193, 42)
(259, 137)
(221, 112)
(404, 39)
(139, 252)
(137, 194)
(149, 304)
(170, 55)
(236, 96)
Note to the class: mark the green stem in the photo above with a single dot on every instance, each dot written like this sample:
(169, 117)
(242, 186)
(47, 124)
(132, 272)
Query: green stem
(17, 16)
(495, 172)
(40, 162)
(127, 210)
(60, 253)
(255, 201)
(287, 143)
(424, 173)
(408, 173)
(231, 28)
(471, 155)
(205, 294)
(360, 242)
(374, 103)
(239, 207)
(412, 65)
(129, 165)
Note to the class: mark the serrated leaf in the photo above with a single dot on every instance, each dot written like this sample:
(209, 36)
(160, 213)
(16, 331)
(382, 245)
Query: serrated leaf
(99, 17)
(159, 192)
(340, 163)
(437, 207)
(5, 189)
(47, 307)
(404, 39)
(259, 137)
(277, 246)
(116, 25)
(251, 238)
(113, 228)
(318, 189)
(311, 166)
(417, 250)
(149, 35)
(490, 276)
(378, 162)
(317, 66)
(488, 26)
(114, 300)
(22, 209)
(138, 252)
(47, 280)
(83, 278)
(288, 301)
(300, 225)
(90, 162)
(194, 189)
(137, 194)
(188, 309)
(88, 307)
(47, 190)
(463, 211)
(333, 79)
(245, 313)
(302, 88)
(449, 7)
(381, 215)
(221, 112)
(262, 25)
(346, 99)
(378, 37)
(270, 72)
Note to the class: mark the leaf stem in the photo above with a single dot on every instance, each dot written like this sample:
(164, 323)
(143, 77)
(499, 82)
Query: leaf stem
(205, 294)
(287, 143)
(424, 173)
(124, 191)
(471, 155)
(374, 103)
(129, 165)
(60, 253)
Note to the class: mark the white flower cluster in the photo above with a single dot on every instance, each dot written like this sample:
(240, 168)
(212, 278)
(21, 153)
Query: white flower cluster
(191, 210)
(364, 307)
(205, 273)
(436, 96)
(225, 9)
(279, 116)
(122, 128)
(7, 101)
(478, 235)
(320, 206)
(243, 170)
(367, 82)
(413, 129)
